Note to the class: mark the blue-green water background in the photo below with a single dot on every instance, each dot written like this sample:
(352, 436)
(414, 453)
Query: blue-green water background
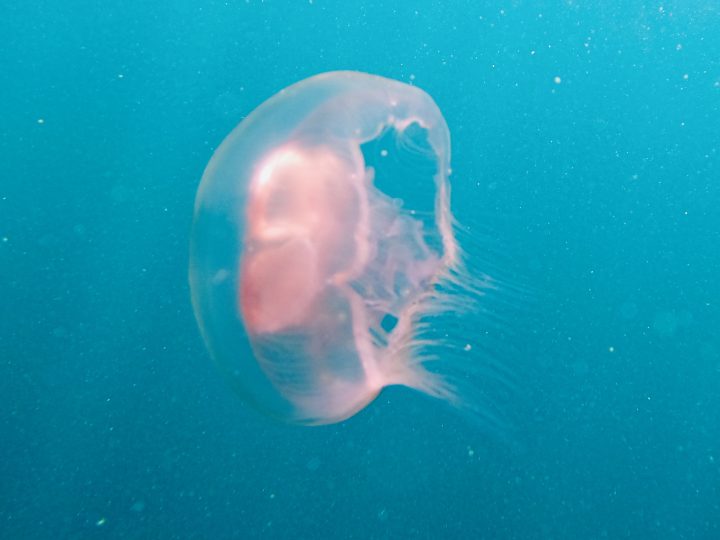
(599, 191)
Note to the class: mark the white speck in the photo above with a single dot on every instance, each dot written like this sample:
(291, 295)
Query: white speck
(383, 152)
(557, 79)
(220, 277)
(40, 120)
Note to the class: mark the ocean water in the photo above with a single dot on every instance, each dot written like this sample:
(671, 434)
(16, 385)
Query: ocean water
(586, 159)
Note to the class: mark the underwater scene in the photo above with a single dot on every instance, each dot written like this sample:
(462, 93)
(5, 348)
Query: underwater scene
(324, 269)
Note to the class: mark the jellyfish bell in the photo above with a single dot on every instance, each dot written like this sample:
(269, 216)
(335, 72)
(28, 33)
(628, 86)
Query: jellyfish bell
(319, 274)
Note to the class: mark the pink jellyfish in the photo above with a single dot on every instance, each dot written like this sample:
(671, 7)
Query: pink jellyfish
(313, 287)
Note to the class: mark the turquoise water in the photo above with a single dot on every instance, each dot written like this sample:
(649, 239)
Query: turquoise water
(586, 161)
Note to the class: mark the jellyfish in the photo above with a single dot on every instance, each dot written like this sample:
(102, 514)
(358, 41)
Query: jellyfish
(320, 266)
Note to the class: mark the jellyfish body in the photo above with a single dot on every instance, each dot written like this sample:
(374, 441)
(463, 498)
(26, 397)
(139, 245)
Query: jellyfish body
(311, 285)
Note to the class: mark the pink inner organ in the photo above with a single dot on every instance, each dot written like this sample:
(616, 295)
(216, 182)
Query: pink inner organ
(327, 257)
